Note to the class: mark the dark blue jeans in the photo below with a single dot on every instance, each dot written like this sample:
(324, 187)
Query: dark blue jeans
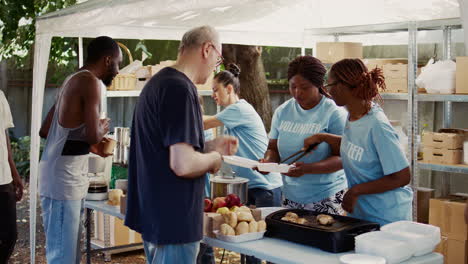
(264, 198)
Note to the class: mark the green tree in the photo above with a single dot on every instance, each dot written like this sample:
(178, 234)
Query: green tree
(17, 30)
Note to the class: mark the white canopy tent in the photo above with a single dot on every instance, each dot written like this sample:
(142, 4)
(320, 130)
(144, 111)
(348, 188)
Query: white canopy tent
(249, 22)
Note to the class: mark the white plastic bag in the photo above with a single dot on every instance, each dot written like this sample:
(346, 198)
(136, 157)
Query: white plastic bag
(438, 77)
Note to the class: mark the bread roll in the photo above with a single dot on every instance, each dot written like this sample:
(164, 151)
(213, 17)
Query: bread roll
(227, 230)
(261, 226)
(253, 227)
(301, 221)
(324, 219)
(244, 216)
(244, 209)
(291, 215)
(230, 219)
(242, 228)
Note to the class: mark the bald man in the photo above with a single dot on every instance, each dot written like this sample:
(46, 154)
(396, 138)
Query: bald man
(168, 157)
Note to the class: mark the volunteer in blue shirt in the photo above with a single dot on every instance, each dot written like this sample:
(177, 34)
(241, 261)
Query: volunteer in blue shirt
(375, 164)
(317, 182)
(242, 121)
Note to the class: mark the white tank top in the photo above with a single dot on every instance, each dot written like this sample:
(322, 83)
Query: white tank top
(62, 177)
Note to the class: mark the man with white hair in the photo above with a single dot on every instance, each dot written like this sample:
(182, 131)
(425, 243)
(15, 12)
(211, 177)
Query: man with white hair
(168, 157)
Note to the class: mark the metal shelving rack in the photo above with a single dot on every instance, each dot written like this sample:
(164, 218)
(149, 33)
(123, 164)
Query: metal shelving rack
(412, 97)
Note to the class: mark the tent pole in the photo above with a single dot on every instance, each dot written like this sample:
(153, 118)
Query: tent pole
(80, 52)
(41, 57)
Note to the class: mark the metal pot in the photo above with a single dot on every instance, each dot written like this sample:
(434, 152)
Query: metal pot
(221, 187)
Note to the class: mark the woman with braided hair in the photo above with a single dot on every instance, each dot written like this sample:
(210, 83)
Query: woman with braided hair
(317, 181)
(374, 162)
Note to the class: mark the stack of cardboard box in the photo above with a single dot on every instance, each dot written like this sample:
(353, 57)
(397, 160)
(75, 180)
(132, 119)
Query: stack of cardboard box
(331, 52)
(395, 72)
(119, 234)
(448, 214)
(445, 147)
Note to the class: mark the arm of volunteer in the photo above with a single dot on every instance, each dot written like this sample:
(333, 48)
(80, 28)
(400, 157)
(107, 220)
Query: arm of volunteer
(44, 131)
(95, 128)
(272, 152)
(384, 184)
(188, 163)
(333, 140)
(211, 122)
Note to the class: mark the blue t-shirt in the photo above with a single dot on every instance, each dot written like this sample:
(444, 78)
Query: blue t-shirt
(370, 149)
(163, 207)
(208, 136)
(291, 124)
(242, 121)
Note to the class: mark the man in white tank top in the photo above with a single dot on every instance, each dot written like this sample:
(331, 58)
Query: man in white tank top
(11, 186)
(73, 128)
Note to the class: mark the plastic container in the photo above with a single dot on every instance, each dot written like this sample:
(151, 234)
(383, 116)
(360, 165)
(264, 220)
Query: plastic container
(239, 238)
(361, 259)
(423, 238)
(393, 248)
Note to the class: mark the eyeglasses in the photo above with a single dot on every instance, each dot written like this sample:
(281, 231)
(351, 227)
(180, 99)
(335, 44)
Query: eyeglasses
(220, 58)
(329, 85)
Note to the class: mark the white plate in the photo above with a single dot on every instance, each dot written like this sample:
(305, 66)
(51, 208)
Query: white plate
(239, 238)
(240, 162)
(274, 167)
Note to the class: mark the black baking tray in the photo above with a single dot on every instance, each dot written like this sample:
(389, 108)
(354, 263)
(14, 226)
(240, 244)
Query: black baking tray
(335, 238)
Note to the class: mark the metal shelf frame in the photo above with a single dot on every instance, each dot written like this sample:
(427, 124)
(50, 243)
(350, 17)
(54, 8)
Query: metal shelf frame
(412, 97)
(444, 167)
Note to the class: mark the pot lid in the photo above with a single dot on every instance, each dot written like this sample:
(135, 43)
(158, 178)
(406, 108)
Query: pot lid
(219, 179)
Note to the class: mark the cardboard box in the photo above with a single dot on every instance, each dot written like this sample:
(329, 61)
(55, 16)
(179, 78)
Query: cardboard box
(119, 233)
(448, 214)
(443, 140)
(163, 64)
(379, 63)
(424, 196)
(454, 251)
(396, 85)
(461, 76)
(331, 52)
(211, 222)
(442, 156)
(395, 71)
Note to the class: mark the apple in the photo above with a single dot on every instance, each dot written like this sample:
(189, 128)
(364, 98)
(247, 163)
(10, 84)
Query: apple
(222, 210)
(208, 205)
(218, 202)
(233, 200)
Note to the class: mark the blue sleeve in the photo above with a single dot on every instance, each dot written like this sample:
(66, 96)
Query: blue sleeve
(179, 122)
(388, 147)
(337, 122)
(230, 116)
(274, 130)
